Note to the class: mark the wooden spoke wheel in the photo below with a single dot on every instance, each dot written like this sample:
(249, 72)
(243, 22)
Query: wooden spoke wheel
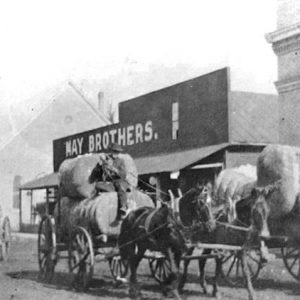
(5, 239)
(47, 256)
(81, 258)
(291, 259)
(232, 270)
(160, 268)
(118, 268)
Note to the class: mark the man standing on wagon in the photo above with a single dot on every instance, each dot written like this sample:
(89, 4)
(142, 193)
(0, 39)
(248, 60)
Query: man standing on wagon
(116, 173)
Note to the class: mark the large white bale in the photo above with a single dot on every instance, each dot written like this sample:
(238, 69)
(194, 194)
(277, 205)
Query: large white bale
(74, 175)
(98, 213)
(131, 170)
(279, 165)
(234, 184)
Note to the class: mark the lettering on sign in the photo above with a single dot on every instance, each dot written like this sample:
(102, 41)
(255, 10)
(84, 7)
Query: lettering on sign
(74, 147)
(99, 141)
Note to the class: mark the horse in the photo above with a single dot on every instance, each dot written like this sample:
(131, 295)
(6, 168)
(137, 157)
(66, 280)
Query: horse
(225, 232)
(158, 230)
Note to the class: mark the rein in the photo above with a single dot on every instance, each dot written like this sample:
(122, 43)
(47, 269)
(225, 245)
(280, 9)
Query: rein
(179, 225)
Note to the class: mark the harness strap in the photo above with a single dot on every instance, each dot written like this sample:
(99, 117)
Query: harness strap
(149, 219)
(139, 218)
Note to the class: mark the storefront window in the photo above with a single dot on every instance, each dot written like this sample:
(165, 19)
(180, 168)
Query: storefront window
(175, 120)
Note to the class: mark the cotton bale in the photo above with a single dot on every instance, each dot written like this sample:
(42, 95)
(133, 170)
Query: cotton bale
(278, 166)
(234, 184)
(74, 176)
(131, 170)
(96, 214)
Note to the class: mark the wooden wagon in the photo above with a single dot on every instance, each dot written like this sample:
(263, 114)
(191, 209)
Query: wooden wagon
(82, 249)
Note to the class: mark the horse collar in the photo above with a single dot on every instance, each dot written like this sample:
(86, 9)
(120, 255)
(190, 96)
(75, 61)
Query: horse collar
(149, 219)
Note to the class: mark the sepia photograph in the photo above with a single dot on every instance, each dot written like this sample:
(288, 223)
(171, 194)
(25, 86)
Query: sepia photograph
(149, 149)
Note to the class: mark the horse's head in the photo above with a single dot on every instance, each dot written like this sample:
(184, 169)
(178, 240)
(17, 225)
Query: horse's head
(259, 230)
(204, 192)
(260, 211)
(195, 206)
(202, 206)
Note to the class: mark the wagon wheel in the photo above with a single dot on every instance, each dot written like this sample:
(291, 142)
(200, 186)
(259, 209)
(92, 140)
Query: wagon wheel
(81, 258)
(291, 259)
(232, 271)
(47, 256)
(118, 268)
(160, 268)
(5, 238)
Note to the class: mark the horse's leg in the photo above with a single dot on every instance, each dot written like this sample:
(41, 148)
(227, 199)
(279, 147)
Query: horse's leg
(247, 275)
(172, 282)
(185, 269)
(202, 262)
(134, 261)
(217, 276)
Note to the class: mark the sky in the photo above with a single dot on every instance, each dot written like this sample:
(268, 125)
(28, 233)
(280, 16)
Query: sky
(131, 47)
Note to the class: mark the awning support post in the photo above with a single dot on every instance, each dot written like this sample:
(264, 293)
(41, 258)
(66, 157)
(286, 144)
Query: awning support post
(20, 208)
(31, 201)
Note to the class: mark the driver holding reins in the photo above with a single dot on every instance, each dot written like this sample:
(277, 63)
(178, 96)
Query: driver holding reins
(116, 173)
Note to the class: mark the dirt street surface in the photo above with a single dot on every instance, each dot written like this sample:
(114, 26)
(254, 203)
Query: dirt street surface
(19, 280)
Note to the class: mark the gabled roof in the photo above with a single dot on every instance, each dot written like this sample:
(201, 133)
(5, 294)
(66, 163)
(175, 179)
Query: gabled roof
(45, 99)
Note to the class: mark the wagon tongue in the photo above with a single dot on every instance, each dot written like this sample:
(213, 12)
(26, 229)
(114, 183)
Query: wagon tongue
(274, 239)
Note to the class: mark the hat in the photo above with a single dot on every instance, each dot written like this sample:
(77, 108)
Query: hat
(116, 148)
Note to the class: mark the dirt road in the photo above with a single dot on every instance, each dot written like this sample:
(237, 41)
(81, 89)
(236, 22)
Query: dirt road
(19, 280)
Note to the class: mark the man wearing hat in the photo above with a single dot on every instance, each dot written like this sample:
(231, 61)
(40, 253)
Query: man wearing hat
(116, 173)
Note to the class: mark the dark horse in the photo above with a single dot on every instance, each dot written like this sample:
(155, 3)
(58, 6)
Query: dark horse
(157, 230)
(244, 231)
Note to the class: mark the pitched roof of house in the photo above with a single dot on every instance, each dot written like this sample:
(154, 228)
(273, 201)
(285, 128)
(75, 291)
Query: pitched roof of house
(39, 103)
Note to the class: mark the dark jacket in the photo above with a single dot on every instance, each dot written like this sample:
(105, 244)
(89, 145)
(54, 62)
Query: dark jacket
(118, 169)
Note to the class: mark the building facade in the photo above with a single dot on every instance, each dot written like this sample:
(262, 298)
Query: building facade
(184, 133)
(286, 45)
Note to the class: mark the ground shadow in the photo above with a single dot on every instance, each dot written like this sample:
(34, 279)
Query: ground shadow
(104, 287)
(289, 287)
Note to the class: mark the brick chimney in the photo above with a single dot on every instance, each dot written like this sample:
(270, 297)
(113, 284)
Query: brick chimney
(101, 104)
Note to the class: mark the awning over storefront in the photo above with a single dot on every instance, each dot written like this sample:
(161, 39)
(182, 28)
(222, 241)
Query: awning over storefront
(170, 162)
(175, 161)
(47, 181)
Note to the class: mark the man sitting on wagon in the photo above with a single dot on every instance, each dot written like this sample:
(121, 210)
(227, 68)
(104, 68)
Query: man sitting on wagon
(116, 173)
